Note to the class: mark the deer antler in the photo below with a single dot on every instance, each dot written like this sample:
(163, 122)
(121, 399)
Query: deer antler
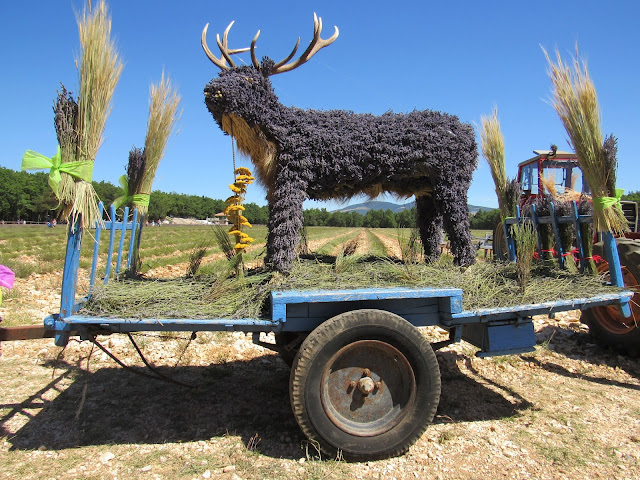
(316, 44)
(224, 48)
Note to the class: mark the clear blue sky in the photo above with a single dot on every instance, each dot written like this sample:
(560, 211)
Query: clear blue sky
(461, 57)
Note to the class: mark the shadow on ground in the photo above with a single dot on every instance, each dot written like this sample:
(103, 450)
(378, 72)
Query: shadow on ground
(245, 398)
(579, 345)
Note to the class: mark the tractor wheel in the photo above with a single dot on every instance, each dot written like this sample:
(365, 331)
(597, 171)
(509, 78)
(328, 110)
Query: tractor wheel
(500, 249)
(606, 324)
(365, 385)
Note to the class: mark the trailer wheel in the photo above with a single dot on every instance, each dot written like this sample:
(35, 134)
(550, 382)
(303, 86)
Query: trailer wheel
(606, 324)
(365, 383)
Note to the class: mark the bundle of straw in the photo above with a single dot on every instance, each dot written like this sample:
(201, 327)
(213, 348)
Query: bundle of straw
(493, 152)
(163, 115)
(524, 235)
(99, 71)
(575, 101)
(143, 163)
(65, 110)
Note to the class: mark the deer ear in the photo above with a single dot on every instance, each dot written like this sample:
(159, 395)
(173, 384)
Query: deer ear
(267, 66)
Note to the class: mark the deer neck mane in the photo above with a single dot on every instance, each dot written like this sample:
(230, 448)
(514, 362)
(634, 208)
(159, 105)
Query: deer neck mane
(253, 142)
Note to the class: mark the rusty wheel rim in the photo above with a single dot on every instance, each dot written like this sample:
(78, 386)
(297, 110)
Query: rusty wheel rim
(609, 317)
(367, 388)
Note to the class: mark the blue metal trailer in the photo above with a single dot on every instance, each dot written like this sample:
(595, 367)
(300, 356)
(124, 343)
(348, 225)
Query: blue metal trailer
(364, 380)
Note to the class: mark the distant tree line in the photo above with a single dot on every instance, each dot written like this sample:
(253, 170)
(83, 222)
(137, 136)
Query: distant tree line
(27, 196)
(485, 219)
(372, 219)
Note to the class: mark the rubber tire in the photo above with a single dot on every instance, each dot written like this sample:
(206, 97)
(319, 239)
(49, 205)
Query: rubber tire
(500, 249)
(602, 320)
(312, 361)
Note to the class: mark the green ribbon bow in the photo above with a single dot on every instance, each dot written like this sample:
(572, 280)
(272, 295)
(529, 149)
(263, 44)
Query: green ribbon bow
(602, 203)
(36, 161)
(141, 199)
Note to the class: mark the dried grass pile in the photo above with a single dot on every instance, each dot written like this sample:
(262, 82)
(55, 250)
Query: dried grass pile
(485, 285)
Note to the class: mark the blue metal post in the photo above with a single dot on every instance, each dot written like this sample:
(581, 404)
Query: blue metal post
(96, 248)
(536, 226)
(615, 270)
(576, 226)
(132, 241)
(556, 234)
(125, 218)
(70, 277)
(511, 246)
(112, 237)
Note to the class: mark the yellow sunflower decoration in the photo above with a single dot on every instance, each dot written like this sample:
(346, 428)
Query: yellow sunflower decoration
(234, 209)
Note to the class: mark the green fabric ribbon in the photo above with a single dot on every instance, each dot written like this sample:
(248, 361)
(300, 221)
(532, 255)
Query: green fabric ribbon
(602, 203)
(36, 161)
(141, 199)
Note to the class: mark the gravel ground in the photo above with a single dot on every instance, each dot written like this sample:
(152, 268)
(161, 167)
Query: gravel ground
(567, 410)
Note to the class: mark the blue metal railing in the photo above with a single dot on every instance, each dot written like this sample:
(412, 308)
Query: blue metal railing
(554, 220)
(68, 303)
(113, 226)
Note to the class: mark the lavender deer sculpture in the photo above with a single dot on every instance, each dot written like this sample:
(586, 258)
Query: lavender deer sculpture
(336, 154)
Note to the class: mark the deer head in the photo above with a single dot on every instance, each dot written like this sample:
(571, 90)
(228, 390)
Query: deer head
(241, 98)
(246, 91)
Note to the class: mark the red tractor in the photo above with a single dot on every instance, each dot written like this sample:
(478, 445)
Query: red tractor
(607, 326)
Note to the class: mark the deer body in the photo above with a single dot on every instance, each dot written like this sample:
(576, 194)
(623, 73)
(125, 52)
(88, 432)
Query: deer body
(300, 154)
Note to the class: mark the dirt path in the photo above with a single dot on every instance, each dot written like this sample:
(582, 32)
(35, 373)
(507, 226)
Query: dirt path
(390, 244)
(315, 245)
(364, 246)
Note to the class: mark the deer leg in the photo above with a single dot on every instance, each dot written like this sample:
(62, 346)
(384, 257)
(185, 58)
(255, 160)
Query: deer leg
(285, 220)
(430, 226)
(455, 213)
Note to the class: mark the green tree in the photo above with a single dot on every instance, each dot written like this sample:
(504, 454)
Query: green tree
(107, 192)
(256, 214)
(406, 218)
(485, 219)
(160, 204)
(632, 196)
(337, 219)
(316, 217)
(388, 219)
(356, 220)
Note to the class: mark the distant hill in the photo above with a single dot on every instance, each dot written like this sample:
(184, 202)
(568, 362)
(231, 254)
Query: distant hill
(363, 208)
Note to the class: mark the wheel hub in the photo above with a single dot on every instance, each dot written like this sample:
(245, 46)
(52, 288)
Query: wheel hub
(367, 387)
